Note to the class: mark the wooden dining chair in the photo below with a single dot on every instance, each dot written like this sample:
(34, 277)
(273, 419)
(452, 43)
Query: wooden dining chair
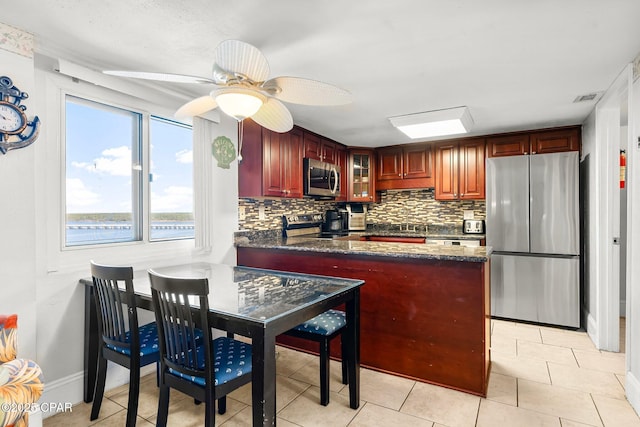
(122, 339)
(322, 329)
(204, 369)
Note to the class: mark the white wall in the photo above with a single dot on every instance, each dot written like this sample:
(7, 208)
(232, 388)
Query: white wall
(17, 207)
(38, 280)
(632, 379)
(589, 149)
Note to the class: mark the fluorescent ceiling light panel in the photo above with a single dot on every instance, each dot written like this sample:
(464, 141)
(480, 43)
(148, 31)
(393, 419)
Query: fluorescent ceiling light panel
(434, 123)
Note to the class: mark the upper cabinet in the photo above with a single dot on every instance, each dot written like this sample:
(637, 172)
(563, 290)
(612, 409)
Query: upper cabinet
(404, 167)
(342, 160)
(459, 167)
(282, 175)
(271, 162)
(554, 141)
(537, 142)
(320, 148)
(361, 173)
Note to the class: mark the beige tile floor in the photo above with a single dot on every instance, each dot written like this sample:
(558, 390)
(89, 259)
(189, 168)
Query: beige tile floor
(540, 377)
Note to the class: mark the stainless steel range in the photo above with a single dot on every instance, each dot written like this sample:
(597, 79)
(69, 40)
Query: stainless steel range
(310, 225)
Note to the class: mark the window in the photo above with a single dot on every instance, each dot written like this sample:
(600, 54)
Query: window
(171, 180)
(106, 185)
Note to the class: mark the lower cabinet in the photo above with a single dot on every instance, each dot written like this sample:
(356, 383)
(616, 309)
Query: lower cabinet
(422, 319)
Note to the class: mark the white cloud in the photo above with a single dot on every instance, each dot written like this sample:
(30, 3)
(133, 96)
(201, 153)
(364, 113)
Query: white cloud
(80, 197)
(115, 161)
(173, 199)
(184, 156)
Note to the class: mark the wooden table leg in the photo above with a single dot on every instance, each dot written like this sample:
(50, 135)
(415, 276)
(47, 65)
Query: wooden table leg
(353, 346)
(263, 379)
(91, 344)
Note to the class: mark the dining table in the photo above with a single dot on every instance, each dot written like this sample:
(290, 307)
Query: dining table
(258, 304)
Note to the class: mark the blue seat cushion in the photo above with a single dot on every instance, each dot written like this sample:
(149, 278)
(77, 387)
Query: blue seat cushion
(148, 341)
(324, 324)
(232, 359)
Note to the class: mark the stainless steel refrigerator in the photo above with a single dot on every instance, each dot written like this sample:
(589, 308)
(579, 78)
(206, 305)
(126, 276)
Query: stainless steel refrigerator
(533, 227)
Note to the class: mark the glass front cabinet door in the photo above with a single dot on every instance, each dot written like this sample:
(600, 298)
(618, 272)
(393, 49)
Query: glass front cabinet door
(361, 176)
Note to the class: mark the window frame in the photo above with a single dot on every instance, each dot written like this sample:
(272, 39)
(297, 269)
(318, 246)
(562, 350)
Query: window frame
(55, 87)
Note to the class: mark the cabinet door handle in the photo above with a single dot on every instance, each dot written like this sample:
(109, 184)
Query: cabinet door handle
(461, 194)
(455, 194)
(399, 174)
(533, 152)
(525, 152)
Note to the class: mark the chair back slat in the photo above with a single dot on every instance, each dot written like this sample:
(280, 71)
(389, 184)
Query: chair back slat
(117, 315)
(179, 324)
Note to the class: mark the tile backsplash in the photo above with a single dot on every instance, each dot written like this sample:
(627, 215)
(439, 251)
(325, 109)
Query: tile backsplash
(419, 207)
(415, 207)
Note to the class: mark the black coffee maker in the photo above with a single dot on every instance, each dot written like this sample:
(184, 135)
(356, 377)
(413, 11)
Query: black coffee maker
(334, 221)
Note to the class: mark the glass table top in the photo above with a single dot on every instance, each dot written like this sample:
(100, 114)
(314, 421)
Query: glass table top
(256, 294)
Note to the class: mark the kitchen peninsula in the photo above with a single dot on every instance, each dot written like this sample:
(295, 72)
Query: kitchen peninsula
(425, 309)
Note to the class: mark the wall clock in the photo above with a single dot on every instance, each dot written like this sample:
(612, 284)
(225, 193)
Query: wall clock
(16, 131)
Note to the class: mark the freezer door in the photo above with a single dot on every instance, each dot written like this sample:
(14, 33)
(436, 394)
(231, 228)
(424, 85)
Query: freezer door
(507, 203)
(554, 195)
(536, 289)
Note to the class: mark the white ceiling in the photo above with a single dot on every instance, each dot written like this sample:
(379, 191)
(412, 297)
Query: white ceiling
(516, 64)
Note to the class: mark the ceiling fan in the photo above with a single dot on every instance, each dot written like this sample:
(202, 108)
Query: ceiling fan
(240, 73)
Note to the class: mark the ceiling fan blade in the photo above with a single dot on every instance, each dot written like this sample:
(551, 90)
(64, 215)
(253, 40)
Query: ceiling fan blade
(163, 77)
(196, 107)
(236, 57)
(307, 92)
(274, 116)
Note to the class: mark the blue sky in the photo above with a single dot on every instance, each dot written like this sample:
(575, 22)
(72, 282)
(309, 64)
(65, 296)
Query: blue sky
(99, 165)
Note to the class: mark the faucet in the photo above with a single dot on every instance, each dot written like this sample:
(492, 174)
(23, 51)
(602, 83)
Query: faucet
(406, 218)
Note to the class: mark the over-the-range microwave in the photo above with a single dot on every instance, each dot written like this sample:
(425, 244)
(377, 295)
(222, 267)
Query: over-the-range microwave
(321, 179)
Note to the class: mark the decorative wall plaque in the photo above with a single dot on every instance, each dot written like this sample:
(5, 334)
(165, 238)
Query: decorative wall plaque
(16, 131)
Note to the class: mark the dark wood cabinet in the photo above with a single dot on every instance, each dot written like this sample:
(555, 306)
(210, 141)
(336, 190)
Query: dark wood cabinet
(536, 142)
(460, 171)
(508, 145)
(282, 159)
(342, 160)
(423, 319)
(554, 141)
(361, 175)
(404, 167)
(272, 163)
(320, 148)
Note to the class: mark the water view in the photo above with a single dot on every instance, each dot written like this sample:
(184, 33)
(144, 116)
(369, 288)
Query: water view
(107, 228)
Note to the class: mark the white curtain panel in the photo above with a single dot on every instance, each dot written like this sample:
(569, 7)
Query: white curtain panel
(204, 132)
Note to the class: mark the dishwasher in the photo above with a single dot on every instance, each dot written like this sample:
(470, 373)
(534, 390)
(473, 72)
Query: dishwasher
(453, 242)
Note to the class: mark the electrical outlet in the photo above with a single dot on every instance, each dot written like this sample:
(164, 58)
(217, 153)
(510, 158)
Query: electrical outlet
(242, 214)
(241, 301)
(261, 214)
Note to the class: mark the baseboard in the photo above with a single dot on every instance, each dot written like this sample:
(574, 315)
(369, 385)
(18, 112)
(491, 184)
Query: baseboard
(61, 394)
(632, 390)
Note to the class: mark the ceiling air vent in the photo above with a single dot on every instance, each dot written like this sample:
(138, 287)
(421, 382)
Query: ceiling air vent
(587, 97)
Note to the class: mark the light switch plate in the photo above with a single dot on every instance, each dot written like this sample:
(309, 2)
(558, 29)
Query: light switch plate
(467, 214)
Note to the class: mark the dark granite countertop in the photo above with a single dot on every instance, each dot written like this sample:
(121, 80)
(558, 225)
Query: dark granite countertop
(351, 245)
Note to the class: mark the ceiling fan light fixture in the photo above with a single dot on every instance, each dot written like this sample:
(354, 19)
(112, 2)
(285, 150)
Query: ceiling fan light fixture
(449, 121)
(239, 103)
